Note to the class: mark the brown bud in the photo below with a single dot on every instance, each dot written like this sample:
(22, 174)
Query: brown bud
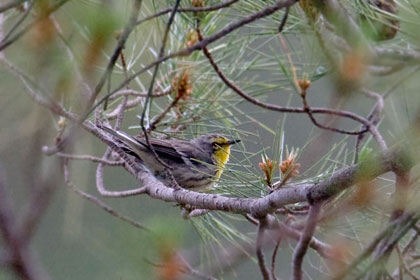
(304, 84)
(289, 167)
(198, 3)
(182, 85)
(267, 166)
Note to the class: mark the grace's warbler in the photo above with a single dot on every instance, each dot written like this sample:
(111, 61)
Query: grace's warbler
(194, 164)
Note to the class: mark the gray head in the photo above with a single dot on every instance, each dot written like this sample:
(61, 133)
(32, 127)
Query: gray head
(212, 140)
(218, 146)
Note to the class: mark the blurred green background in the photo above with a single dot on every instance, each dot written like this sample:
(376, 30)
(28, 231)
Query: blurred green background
(76, 239)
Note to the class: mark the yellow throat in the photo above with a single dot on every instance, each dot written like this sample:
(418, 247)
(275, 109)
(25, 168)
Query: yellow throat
(221, 157)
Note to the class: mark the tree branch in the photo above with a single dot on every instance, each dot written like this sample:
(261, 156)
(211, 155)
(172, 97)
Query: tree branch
(198, 46)
(22, 263)
(193, 9)
(131, 24)
(283, 109)
(305, 240)
(97, 201)
(258, 246)
(312, 193)
(5, 43)
(11, 4)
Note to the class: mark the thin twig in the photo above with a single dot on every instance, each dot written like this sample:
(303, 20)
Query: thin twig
(196, 213)
(374, 116)
(11, 4)
(23, 263)
(304, 241)
(303, 93)
(160, 117)
(5, 43)
(284, 19)
(193, 9)
(41, 99)
(38, 204)
(97, 201)
(273, 259)
(149, 93)
(404, 264)
(283, 109)
(130, 165)
(374, 109)
(411, 244)
(393, 232)
(91, 158)
(251, 219)
(198, 46)
(258, 246)
(130, 104)
(283, 229)
(2, 19)
(309, 111)
(131, 24)
(100, 184)
(193, 271)
(323, 249)
(72, 58)
(132, 92)
(123, 103)
(19, 22)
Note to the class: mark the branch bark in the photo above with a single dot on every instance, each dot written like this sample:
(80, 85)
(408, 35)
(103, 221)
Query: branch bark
(304, 241)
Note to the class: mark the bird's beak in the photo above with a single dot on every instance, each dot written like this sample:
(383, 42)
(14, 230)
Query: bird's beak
(231, 142)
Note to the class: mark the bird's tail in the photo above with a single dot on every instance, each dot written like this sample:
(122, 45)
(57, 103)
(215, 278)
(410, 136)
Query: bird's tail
(129, 141)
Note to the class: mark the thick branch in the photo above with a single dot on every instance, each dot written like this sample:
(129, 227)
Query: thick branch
(259, 207)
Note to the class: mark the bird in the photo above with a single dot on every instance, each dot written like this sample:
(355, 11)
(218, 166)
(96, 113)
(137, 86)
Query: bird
(195, 165)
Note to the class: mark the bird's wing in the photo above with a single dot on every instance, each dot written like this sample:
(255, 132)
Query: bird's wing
(164, 149)
(193, 152)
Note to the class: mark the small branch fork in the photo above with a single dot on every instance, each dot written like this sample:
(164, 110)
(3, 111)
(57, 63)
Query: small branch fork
(96, 200)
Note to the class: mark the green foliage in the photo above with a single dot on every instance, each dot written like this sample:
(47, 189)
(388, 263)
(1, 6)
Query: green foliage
(261, 62)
